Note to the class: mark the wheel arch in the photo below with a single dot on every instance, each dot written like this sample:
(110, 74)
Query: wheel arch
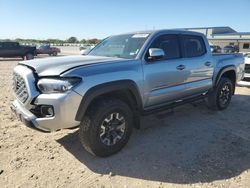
(28, 50)
(229, 72)
(125, 90)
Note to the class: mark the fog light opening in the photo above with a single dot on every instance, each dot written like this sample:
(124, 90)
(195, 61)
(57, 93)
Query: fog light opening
(47, 111)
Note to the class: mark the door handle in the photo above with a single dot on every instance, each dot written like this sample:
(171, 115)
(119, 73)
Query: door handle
(180, 67)
(208, 64)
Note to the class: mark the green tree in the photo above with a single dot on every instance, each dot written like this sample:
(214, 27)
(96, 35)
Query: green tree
(83, 41)
(72, 40)
(93, 41)
(55, 41)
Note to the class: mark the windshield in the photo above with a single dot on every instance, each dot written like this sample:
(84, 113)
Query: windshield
(122, 46)
(247, 55)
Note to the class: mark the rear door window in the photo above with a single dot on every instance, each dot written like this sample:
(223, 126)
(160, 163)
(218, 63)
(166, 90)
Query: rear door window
(192, 46)
(8, 45)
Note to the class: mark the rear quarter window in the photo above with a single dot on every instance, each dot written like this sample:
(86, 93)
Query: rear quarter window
(192, 46)
(9, 44)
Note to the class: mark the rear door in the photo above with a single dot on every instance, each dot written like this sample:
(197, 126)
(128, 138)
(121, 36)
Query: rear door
(11, 49)
(47, 49)
(15, 49)
(198, 62)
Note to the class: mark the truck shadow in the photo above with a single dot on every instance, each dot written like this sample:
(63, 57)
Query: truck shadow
(193, 145)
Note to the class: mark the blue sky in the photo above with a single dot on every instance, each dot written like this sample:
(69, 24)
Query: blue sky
(42, 19)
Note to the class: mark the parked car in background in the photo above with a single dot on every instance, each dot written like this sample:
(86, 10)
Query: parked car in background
(14, 49)
(47, 49)
(231, 49)
(247, 55)
(123, 78)
(85, 49)
(246, 79)
(215, 49)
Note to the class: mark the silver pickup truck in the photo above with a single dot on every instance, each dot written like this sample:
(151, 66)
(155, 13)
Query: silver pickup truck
(122, 79)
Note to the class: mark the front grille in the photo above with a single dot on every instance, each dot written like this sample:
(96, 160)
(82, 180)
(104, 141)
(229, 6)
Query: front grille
(20, 88)
(247, 68)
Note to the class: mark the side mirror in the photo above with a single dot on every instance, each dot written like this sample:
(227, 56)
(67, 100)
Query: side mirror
(155, 53)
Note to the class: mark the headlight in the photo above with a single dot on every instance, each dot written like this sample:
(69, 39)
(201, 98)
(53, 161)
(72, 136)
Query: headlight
(57, 85)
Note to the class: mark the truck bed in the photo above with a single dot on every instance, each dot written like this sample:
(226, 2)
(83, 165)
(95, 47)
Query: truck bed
(228, 57)
(236, 60)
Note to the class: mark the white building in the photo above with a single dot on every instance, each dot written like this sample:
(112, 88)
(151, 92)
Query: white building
(223, 36)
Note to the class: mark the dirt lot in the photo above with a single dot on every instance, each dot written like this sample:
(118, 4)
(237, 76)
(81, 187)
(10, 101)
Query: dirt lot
(194, 147)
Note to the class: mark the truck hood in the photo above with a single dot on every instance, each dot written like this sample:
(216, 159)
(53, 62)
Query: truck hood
(54, 66)
(247, 60)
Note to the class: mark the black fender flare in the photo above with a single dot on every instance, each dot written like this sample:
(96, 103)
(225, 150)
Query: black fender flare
(101, 89)
(222, 71)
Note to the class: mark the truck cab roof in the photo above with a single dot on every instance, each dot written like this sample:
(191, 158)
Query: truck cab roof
(159, 31)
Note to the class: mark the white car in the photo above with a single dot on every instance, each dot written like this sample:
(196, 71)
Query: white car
(85, 49)
(246, 80)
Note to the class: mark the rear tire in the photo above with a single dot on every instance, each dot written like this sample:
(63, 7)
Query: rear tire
(220, 97)
(106, 127)
(28, 56)
(54, 54)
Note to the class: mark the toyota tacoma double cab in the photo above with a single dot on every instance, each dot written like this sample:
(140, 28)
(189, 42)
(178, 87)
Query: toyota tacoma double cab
(122, 79)
(14, 49)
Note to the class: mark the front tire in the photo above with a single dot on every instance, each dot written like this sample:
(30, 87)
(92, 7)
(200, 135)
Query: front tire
(220, 97)
(106, 127)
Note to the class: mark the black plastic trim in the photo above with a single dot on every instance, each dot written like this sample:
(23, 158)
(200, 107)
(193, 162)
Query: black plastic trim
(124, 85)
(222, 71)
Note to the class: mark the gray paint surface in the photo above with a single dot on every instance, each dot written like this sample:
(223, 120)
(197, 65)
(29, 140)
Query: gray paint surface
(158, 82)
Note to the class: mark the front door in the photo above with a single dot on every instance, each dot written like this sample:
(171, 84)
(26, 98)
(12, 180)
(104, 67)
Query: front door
(164, 79)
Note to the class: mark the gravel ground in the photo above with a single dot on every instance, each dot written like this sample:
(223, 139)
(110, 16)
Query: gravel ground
(193, 147)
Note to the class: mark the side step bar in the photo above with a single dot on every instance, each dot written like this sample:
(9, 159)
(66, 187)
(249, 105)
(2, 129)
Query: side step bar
(172, 105)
